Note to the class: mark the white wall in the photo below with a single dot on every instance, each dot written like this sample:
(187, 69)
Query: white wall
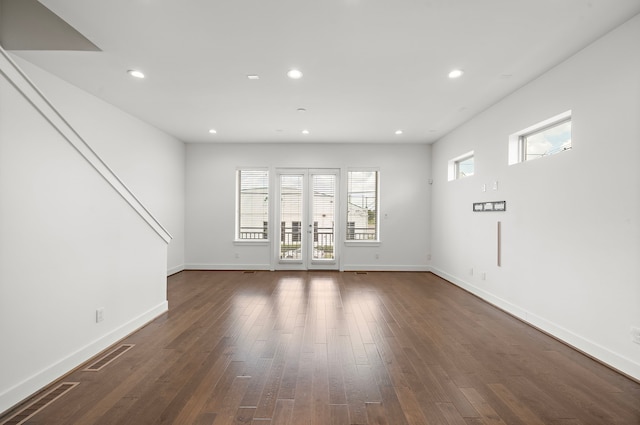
(404, 193)
(148, 161)
(69, 244)
(571, 238)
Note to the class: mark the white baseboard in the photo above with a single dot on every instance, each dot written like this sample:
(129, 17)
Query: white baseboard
(385, 268)
(174, 270)
(348, 267)
(201, 266)
(31, 385)
(614, 360)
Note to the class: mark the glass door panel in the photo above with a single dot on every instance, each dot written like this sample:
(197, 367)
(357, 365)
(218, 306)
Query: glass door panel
(323, 216)
(307, 213)
(291, 217)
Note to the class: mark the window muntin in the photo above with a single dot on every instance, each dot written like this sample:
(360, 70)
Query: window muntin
(362, 205)
(252, 205)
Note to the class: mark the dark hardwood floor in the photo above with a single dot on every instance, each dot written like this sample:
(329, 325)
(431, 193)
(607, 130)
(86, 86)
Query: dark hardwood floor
(325, 348)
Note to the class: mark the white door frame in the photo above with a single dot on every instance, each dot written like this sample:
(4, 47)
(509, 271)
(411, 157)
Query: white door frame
(305, 260)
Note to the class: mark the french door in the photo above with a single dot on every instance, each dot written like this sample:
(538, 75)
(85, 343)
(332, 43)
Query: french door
(307, 212)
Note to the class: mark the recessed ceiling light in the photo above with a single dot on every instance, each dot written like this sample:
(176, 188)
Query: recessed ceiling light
(456, 73)
(398, 132)
(135, 73)
(253, 77)
(301, 110)
(294, 74)
(213, 131)
(305, 131)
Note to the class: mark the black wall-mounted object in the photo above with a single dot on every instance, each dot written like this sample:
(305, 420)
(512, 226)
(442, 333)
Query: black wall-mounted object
(491, 206)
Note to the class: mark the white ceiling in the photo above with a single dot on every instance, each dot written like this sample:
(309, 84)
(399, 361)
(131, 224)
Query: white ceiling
(370, 66)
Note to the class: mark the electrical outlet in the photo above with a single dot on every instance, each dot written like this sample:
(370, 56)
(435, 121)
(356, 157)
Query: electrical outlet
(428, 257)
(471, 271)
(100, 315)
(483, 276)
(635, 335)
(237, 255)
(377, 256)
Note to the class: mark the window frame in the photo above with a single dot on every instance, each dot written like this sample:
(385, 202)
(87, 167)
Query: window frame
(518, 141)
(348, 224)
(453, 167)
(238, 208)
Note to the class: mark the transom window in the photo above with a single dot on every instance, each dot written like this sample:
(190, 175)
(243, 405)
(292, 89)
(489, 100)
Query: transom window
(362, 205)
(465, 167)
(252, 205)
(462, 166)
(546, 138)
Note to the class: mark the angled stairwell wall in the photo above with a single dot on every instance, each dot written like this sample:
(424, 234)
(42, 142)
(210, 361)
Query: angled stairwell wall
(73, 239)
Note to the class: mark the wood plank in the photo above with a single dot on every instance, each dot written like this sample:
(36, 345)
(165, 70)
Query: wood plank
(516, 405)
(489, 416)
(321, 411)
(267, 403)
(376, 414)
(273, 348)
(303, 406)
(339, 414)
(283, 412)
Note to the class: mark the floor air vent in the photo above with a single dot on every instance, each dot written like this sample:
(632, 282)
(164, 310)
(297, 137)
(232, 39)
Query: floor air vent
(108, 358)
(361, 273)
(31, 409)
(249, 272)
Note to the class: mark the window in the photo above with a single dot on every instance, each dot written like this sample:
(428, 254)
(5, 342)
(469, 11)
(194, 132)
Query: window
(253, 205)
(362, 205)
(546, 138)
(462, 166)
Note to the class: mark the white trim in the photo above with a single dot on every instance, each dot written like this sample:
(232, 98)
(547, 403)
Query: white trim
(265, 242)
(371, 242)
(453, 166)
(345, 198)
(174, 270)
(33, 95)
(385, 268)
(347, 268)
(603, 354)
(212, 266)
(236, 231)
(31, 385)
(515, 149)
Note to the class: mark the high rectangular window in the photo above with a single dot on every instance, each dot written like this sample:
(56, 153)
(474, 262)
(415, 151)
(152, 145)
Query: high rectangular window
(546, 138)
(252, 204)
(465, 167)
(461, 166)
(546, 141)
(362, 205)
